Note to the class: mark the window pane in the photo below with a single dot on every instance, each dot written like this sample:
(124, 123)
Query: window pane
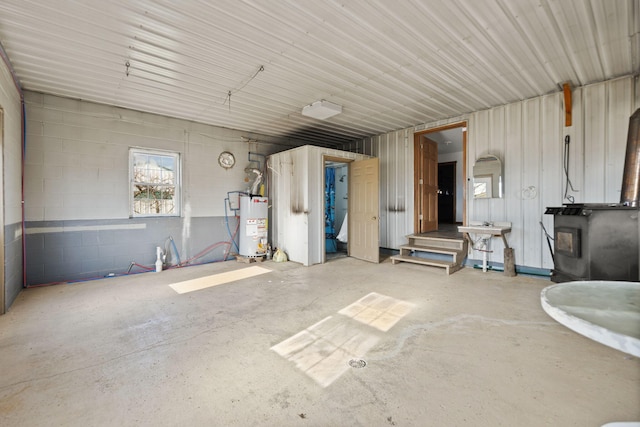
(139, 166)
(140, 192)
(154, 199)
(167, 193)
(154, 186)
(167, 163)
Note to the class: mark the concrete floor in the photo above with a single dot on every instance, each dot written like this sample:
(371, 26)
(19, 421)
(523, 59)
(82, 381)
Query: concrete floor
(469, 349)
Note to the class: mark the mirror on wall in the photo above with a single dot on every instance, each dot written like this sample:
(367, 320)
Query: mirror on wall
(487, 178)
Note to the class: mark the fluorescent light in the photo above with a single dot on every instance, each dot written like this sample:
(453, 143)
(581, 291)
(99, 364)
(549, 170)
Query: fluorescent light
(321, 110)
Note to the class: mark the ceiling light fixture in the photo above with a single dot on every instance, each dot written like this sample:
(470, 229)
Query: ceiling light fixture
(321, 110)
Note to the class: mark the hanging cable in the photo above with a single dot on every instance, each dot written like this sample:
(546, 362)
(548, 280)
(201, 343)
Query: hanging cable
(231, 92)
(568, 184)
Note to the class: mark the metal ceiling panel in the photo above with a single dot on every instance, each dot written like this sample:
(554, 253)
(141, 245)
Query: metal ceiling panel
(391, 65)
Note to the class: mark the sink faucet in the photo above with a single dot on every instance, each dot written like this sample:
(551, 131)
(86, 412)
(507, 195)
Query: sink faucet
(487, 224)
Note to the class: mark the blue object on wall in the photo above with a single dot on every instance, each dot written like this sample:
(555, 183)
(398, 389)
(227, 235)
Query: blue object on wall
(330, 209)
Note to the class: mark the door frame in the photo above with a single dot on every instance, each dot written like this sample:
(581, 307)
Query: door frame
(417, 173)
(328, 158)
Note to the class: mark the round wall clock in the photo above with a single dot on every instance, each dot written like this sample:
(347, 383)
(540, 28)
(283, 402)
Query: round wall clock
(226, 160)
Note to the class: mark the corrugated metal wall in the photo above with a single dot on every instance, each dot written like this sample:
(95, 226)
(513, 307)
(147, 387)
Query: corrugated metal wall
(528, 136)
(296, 191)
(289, 206)
(395, 151)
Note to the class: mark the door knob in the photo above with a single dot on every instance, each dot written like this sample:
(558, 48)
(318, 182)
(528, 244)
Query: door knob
(374, 218)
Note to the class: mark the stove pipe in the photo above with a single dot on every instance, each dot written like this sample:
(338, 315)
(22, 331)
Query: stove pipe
(630, 194)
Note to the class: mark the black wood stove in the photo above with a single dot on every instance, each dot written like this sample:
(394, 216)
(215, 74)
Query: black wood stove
(595, 242)
(600, 241)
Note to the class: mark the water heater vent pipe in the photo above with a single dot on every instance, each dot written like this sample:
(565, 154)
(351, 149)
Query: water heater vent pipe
(257, 181)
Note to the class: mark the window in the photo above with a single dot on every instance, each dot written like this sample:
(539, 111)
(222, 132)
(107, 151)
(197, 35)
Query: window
(155, 183)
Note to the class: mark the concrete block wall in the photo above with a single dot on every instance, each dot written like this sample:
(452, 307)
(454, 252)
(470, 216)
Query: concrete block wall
(60, 251)
(10, 187)
(78, 222)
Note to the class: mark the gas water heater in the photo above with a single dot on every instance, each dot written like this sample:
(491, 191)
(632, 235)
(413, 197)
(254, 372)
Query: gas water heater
(253, 226)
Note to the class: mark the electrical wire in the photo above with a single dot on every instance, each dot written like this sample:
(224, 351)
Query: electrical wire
(568, 184)
(545, 231)
(549, 239)
(231, 92)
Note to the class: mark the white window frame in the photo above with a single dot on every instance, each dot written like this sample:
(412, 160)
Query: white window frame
(177, 184)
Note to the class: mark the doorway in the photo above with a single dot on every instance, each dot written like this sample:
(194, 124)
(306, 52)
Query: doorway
(336, 208)
(447, 193)
(437, 185)
(356, 195)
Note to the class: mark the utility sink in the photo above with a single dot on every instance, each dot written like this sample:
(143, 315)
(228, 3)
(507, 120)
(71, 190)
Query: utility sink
(491, 230)
(486, 230)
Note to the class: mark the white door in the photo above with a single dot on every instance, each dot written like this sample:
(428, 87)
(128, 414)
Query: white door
(364, 229)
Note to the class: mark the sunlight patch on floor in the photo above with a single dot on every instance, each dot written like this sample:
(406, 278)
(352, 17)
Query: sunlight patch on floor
(378, 311)
(217, 279)
(323, 350)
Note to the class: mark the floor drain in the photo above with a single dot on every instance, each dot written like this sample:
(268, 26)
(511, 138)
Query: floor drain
(357, 363)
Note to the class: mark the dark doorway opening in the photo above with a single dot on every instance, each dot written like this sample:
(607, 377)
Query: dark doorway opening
(336, 179)
(452, 149)
(447, 193)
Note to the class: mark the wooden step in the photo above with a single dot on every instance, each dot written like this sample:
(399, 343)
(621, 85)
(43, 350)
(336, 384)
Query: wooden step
(440, 242)
(426, 237)
(432, 249)
(449, 266)
(456, 248)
